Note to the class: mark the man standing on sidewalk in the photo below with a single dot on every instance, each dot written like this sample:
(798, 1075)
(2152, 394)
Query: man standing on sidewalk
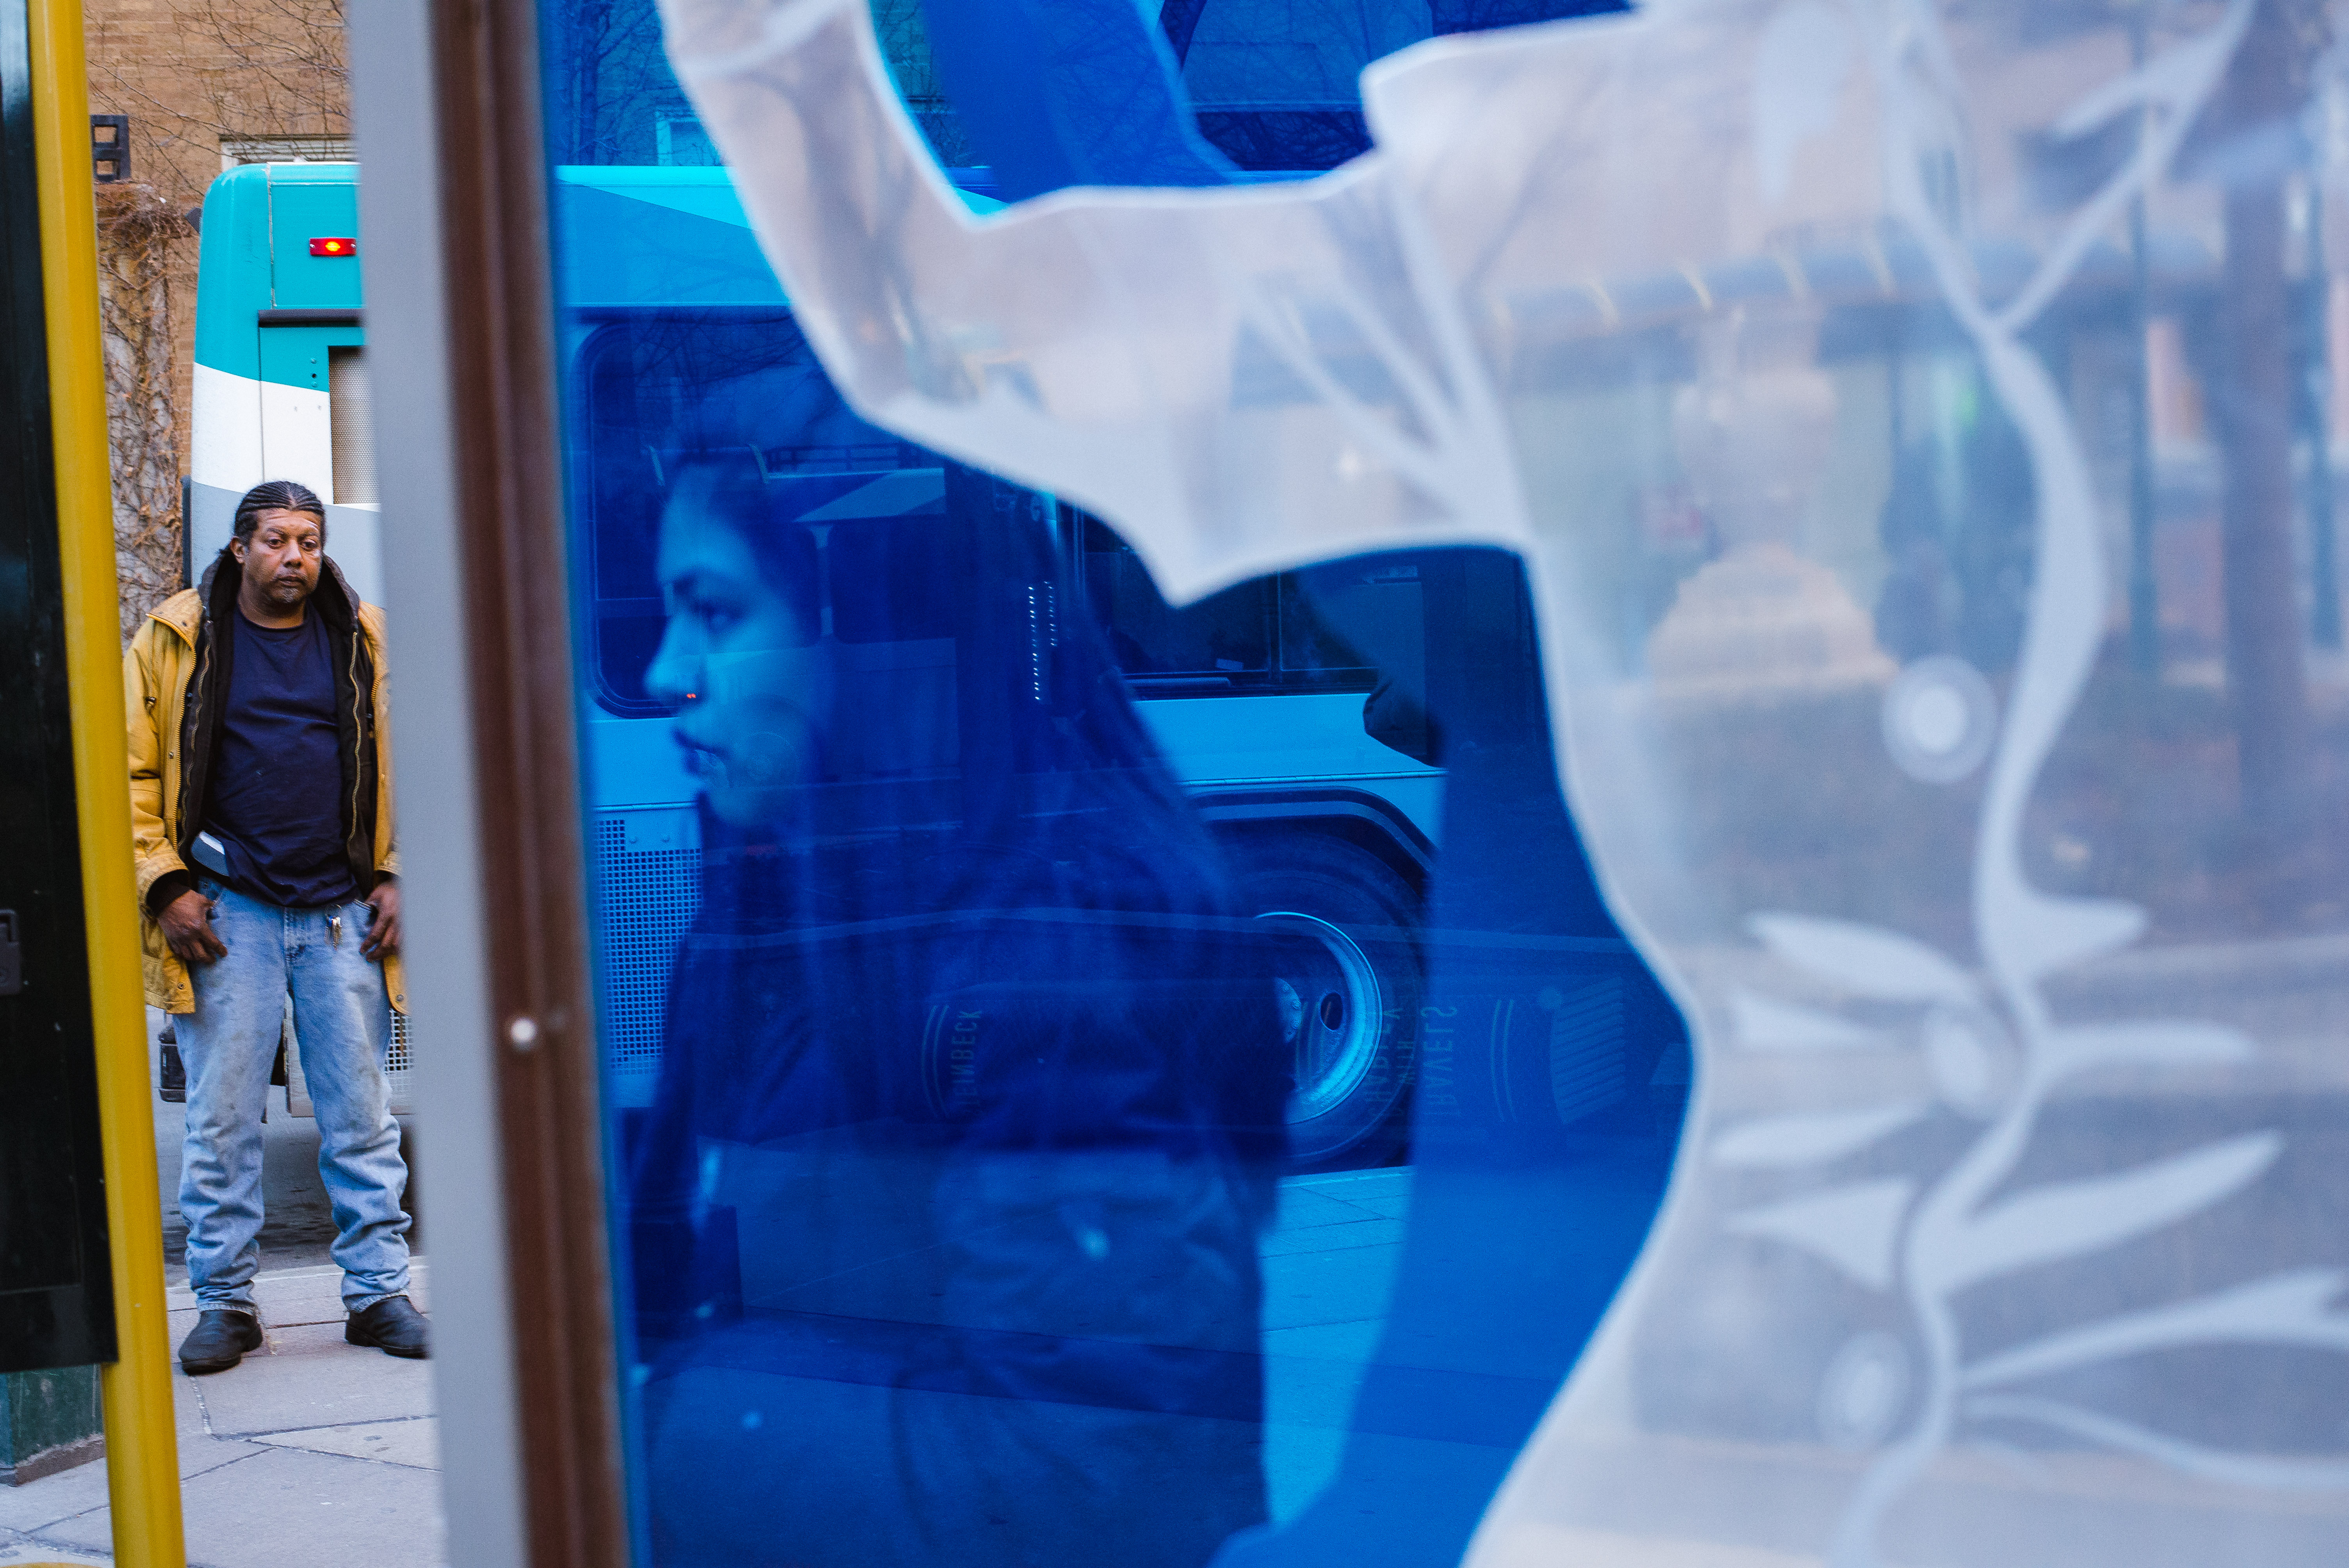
(261, 808)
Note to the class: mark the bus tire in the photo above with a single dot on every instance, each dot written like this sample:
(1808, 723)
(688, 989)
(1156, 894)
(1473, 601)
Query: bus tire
(1351, 973)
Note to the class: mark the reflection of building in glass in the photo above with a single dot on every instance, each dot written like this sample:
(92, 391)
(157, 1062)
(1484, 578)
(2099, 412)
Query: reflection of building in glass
(1754, 433)
(1274, 84)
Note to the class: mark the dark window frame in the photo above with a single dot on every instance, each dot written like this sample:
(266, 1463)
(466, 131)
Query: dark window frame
(500, 338)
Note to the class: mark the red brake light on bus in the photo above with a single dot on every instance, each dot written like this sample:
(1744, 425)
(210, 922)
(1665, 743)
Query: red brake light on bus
(338, 245)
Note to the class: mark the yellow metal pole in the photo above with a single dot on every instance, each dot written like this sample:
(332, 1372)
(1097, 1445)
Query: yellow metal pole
(141, 1443)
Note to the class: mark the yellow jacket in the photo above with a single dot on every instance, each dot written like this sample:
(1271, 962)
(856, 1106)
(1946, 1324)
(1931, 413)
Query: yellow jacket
(164, 667)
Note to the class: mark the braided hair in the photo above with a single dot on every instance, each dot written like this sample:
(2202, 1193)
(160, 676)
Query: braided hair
(278, 495)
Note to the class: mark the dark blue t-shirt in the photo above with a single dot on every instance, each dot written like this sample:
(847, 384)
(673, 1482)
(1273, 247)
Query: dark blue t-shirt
(275, 798)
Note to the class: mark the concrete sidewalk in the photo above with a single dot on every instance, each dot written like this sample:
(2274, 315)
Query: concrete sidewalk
(310, 1452)
(313, 1452)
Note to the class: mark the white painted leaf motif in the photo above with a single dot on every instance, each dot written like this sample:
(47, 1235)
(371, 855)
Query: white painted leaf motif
(1767, 1024)
(2053, 935)
(2176, 79)
(1971, 1059)
(2155, 1044)
(1865, 959)
(2184, 95)
(2067, 1219)
(1778, 1141)
(1854, 1228)
(2194, 1459)
(1799, 69)
(2294, 1308)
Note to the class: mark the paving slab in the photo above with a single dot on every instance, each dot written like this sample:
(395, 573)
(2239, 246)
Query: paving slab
(1313, 1370)
(286, 1508)
(1365, 1232)
(198, 1455)
(1312, 1394)
(415, 1442)
(309, 1377)
(1311, 1376)
(1390, 1206)
(1354, 1342)
(198, 1449)
(312, 1296)
(1386, 1181)
(40, 1503)
(1349, 1285)
(1300, 1461)
(1301, 1207)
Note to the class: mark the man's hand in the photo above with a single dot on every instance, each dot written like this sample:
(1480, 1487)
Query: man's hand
(187, 923)
(383, 934)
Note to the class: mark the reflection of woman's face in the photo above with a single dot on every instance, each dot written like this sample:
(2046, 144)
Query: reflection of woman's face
(751, 695)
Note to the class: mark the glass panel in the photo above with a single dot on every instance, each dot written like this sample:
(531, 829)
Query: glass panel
(1032, 1013)
(1910, 431)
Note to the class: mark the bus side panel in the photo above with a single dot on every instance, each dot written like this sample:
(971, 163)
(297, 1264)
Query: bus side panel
(636, 762)
(1295, 738)
(225, 454)
(232, 285)
(232, 290)
(312, 201)
(297, 433)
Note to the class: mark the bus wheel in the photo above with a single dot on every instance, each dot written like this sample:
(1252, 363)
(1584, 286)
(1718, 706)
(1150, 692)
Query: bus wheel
(1349, 977)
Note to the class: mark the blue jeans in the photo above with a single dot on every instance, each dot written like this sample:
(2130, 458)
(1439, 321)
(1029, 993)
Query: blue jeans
(343, 1020)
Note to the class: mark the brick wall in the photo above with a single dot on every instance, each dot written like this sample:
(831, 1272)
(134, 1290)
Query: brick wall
(192, 74)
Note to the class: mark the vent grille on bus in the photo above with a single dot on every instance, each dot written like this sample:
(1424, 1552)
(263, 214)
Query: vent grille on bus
(646, 898)
(1588, 1048)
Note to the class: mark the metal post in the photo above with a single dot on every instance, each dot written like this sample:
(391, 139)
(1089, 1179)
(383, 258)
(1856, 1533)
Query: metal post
(142, 1446)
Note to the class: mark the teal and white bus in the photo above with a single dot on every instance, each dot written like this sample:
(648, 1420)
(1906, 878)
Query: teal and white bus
(1263, 712)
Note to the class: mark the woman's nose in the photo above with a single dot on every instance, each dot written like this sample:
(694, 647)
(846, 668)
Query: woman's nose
(669, 680)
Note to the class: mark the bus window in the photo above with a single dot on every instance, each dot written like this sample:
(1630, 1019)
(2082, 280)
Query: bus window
(1361, 620)
(1224, 641)
(1355, 630)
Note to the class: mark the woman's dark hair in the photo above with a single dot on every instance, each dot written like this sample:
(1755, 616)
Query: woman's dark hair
(1057, 767)
(278, 495)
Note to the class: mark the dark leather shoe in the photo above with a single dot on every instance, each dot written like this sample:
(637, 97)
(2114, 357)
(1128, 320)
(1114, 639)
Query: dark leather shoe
(219, 1341)
(392, 1326)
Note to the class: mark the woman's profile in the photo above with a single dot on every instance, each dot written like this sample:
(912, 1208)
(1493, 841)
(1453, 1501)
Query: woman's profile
(944, 1215)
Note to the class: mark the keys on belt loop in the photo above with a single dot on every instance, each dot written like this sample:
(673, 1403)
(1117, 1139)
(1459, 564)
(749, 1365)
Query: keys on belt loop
(333, 930)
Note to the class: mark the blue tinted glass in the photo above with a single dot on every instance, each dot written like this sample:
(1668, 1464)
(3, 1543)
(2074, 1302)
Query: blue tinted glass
(1097, 1081)
(611, 97)
(1050, 95)
(1065, 1107)
(964, 1110)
